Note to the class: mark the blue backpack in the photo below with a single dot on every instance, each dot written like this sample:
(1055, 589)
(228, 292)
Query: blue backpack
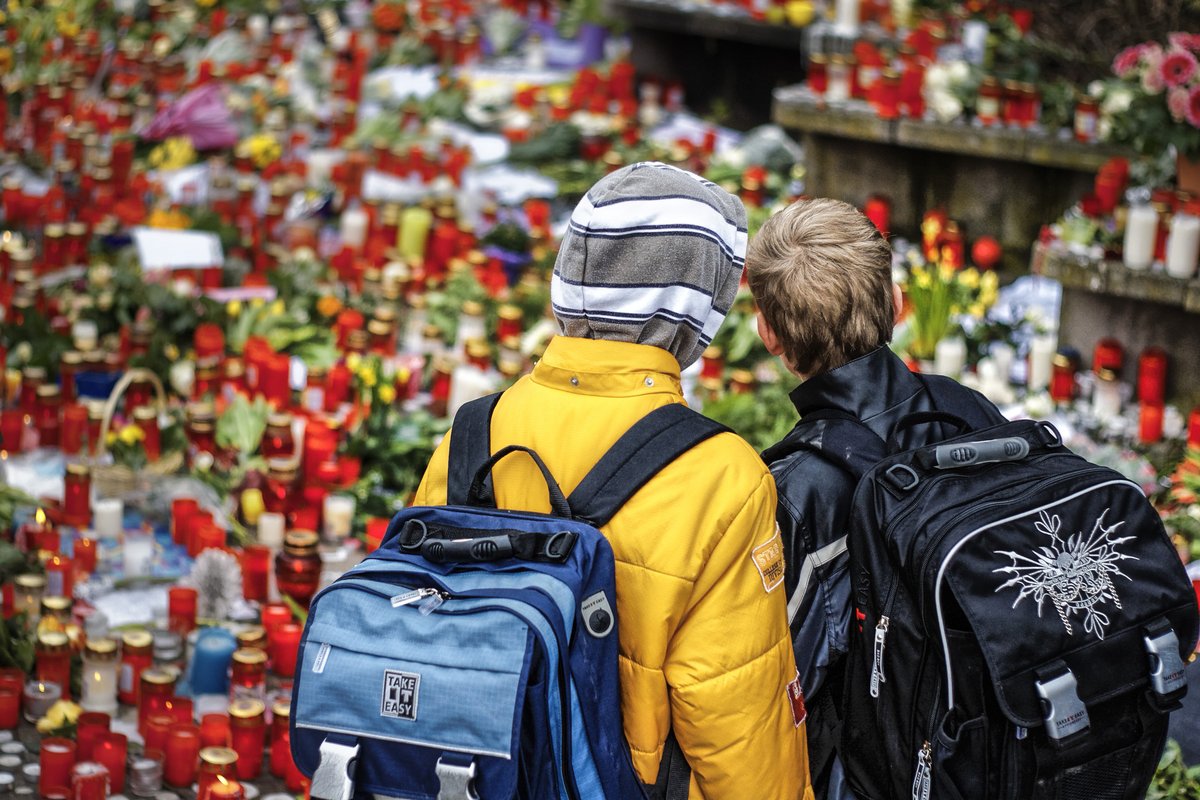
(474, 654)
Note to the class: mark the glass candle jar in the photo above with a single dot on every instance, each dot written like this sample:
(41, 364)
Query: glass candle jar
(68, 367)
(99, 679)
(256, 571)
(53, 660)
(215, 763)
(989, 103)
(77, 495)
(278, 441)
(248, 674)
(1152, 376)
(182, 754)
(88, 728)
(74, 429)
(181, 609)
(49, 406)
(85, 555)
(248, 730)
(10, 708)
(281, 748)
(146, 418)
(284, 647)
(57, 757)
(89, 781)
(253, 638)
(28, 591)
(137, 655)
(298, 567)
(112, 750)
(281, 485)
(214, 730)
(1106, 397)
(58, 608)
(60, 578)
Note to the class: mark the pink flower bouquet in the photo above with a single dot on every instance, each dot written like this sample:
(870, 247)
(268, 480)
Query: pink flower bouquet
(1155, 100)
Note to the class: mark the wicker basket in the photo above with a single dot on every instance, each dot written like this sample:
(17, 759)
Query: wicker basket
(118, 479)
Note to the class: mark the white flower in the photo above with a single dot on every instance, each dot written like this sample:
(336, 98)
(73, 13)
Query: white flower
(1096, 88)
(959, 72)
(182, 288)
(22, 353)
(182, 376)
(946, 107)
(937, 78)
(1117, 101)
(1104, 129)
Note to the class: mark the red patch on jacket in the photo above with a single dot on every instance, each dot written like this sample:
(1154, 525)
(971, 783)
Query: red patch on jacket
(795, 696)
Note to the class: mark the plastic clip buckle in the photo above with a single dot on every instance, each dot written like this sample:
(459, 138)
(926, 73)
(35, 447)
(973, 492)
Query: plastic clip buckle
(1166, 667)
(332, 778)
(1065, 713)
(455, 782)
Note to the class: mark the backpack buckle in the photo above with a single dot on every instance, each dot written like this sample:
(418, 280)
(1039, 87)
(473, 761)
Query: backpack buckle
(455, 781)
(1166, 667)
(902, 477)
(332, 779)
(1065, 714)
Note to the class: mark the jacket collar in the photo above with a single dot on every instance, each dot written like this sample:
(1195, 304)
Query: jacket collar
(865, 387)
(607, 368)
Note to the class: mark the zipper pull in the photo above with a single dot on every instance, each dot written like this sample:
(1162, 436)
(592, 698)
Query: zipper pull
(432, 602)
(877, 663)
(411, 597)
(922, 781)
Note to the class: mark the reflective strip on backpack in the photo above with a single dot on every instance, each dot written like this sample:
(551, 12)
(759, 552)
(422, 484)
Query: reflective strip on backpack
(818, 558)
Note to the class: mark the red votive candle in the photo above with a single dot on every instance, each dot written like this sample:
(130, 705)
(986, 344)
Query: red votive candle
(274, 615)
(181, 610)
(256, 568)
(1152, 376)
(89, 781)
(248, 735)
(217, 764)
(89, 727)
(182, 709)
(85, 555)
(195, 523)
(209, 534)
(214, 730)
(1193, 438)
(1150, 424)
(12, 427)
(182, 509)
(285, 643)
(57, 758)
(156, 728)
(10, 707)
(111, 750)
(74, 428)
(183, 753)
(225, 789)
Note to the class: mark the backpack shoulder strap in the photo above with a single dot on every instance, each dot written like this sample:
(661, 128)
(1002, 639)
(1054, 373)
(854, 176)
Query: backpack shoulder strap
(470, 446)
(650, 445)
(854, 449)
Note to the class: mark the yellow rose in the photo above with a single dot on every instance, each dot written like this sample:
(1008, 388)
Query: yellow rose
(233, 308)
(387, 394)
(111, 438)
(131, 435)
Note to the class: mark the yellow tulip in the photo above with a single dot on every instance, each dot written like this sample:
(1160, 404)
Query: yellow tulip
(233, 308)
(131, 435)
(277, 308)
(387, 394)
(353, 362)
(969, 278)
(252, 505)
(257, 303)
(367, 376)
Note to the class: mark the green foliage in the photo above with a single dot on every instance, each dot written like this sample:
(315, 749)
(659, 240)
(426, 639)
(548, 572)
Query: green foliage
(444, 307)
(16, 644)
(242, 424)
(395, 449)
(558, 142)
(507, 236)
(738, 336)
(1147, 127)
(762, 417)
(1174, 779)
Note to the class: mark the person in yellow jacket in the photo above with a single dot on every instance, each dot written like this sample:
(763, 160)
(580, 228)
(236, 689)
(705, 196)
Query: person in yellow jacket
(646, 273)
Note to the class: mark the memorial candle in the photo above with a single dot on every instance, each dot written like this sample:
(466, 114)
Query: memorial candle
(1193, 429)
(214, 730)
(216, 764)
(256, 571)
(89, 727)
(77, 495)
(53, 664)
(108, 517)
(281, 746)
(89, 781)
(1183, 246)
(210, 661)
(111, 750)
(1141, 234)
(99, 678)
(56, 760)
(137, 655)
(10, 708)
(1152, 376)
(1150, 423)
(1041, 360)
(248, 735)
(182, 754)
(181, 609)
(38, 697)
(85, 555)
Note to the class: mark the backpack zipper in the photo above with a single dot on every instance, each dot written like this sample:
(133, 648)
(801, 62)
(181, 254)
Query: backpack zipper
(922, 781)
(877, 662)
(427, 600)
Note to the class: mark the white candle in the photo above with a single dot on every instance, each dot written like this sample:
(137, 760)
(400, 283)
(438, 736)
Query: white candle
(950, 357)
(84, 334)
(354, 228)
(99, 677)
(469, 382)
(39, 696)
(848, 16)
(257, 27)
(1003, 355)
(338, 517)
(108, 517)
(271, 529)
(320, 164)
(1041, 358)
(1183, 246)
(1106, 398)
(1141, 232)
(137, 554)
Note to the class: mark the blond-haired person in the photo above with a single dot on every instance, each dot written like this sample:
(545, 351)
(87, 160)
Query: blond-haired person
(822, 277)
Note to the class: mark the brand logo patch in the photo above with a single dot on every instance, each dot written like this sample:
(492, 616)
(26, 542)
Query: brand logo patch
(768, 560)
(400, 691)
(795, 694)
(1075, 575)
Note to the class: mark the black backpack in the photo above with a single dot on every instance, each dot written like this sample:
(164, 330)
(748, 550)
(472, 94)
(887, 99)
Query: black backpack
(1022, 623)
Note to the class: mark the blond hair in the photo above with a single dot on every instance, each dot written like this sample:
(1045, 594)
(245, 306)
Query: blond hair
(822, 277)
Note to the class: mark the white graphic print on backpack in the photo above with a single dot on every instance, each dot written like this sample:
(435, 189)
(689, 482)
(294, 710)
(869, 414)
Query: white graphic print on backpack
(1076, 575)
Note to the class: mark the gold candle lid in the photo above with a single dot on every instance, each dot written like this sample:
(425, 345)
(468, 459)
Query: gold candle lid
(102, 649)
(218, 756)
(250, 655)
(138, 640)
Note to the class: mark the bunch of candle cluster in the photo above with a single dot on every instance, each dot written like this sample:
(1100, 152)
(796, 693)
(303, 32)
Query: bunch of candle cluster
(1146, 229)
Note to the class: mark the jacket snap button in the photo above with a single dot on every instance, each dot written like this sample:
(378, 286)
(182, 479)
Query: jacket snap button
(574, 380)
(649, 381)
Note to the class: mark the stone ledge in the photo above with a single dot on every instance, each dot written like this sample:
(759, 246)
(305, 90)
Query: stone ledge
(1114, 279)
(697, 19)
(797, 108)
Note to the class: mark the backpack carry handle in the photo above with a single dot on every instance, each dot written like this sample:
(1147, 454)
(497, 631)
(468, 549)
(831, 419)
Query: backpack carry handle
(480, 493)
(924, 418)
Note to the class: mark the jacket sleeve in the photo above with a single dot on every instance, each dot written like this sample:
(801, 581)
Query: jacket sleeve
(729, 665)
(432, 490)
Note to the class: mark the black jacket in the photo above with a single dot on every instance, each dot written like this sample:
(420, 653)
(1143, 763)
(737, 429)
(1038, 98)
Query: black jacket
(815, 496)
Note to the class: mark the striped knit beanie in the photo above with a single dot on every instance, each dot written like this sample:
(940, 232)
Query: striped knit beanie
(653, 255)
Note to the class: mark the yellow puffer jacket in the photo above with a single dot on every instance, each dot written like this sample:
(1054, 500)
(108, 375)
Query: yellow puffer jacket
(702, 616)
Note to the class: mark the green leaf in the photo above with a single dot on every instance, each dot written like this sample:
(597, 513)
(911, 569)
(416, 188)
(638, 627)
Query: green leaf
(242, 425)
